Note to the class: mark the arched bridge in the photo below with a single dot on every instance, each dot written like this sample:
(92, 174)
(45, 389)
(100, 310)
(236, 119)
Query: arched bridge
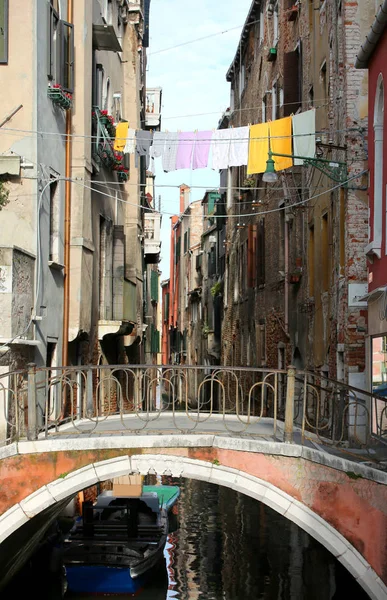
(310, 449)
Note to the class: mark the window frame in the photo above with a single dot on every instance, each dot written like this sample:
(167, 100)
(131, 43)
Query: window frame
(4, 58)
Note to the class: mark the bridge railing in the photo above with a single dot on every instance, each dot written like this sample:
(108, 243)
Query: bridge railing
(285, 405)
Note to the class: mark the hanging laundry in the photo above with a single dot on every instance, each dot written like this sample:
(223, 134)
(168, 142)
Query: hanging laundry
(220, 149)
(281, 142)
(121, 135)
(239, 146)
(170, 152)
(258, 148)
(143, 144)
(158, 146)
(130, 145)
(201, 149)
(304, 135)
(185, 150)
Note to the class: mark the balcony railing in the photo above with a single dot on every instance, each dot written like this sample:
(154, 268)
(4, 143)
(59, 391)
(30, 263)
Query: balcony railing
(290, 405)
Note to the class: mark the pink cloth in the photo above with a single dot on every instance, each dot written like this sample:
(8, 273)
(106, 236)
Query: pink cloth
(185, 150)
(201, 149)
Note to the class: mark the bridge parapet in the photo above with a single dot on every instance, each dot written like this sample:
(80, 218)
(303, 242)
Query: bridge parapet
(280, 404)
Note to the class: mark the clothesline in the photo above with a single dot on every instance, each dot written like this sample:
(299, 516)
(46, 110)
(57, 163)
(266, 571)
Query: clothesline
(223, 148)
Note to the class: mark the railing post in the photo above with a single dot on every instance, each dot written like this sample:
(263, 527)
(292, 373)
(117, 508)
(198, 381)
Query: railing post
(32, 433)
(89, 396)
(289, 407)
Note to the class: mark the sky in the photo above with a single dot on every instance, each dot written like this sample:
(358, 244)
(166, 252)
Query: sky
(193, 81)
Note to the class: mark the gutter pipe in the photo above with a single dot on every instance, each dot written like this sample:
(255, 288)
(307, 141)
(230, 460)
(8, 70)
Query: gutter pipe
(67, 223)
(372, 38)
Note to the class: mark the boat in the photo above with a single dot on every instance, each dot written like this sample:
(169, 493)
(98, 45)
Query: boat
(118, 540)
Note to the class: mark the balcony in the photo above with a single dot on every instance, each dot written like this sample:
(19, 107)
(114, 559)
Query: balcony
(152, 243)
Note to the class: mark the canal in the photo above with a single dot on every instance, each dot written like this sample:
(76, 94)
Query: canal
(226, 546)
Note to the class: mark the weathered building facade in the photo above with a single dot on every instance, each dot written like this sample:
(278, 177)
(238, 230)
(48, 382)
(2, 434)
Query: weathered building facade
(72, 241)
(295, 249)
(371, 56)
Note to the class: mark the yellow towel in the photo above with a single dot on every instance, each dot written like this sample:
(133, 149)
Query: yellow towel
(121, 135)
(258, 148)
(281, 142)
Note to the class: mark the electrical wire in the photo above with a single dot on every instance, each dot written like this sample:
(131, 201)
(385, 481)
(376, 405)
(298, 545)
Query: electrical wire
(74, 136)
(206, 37)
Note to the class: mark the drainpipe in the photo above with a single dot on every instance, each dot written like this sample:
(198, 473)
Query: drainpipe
(286, 299)
(67, 222)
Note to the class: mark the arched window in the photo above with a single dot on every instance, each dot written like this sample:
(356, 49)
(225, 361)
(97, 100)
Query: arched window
(378, 165)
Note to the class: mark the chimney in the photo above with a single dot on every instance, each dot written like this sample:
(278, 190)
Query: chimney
(184, 197)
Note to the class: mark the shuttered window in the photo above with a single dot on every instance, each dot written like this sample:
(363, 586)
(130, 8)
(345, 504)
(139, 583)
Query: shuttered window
(154, 286)
(3, 31)
(260, 252)
(60, 50)
(292, 81)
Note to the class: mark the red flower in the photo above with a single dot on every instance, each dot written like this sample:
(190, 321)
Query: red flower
(57, 86)
(104, 113)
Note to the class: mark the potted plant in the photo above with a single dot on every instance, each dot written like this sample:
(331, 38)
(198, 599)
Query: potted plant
(60, 97)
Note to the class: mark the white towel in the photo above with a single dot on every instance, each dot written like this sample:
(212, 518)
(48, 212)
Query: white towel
(220, 148)
(170, 151)
(239, 146)
(304, 135)
(130, 145)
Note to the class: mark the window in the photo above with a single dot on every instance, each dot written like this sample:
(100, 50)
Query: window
(275, 107)
(242, 80)
(3, 31)
(379, 382)
(311, 261)
(281, 237)
(378, 163)
(54, 223)
(261, 24)
(292, 81)
(98, 83)
(264, 108)
(262, 344)
(261, 252)
(60, 68)
(325, 252)
(275, 25)
(323, 79)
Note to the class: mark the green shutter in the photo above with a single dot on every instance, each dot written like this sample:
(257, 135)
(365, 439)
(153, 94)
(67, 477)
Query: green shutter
(166, 307)
(3, 31)
(154, 286)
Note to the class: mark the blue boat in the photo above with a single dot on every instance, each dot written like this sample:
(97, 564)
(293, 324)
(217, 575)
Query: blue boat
(117, 541)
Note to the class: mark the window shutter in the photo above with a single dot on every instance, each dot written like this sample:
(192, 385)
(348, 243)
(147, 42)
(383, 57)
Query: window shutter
(261, 253)
(292, 83)
(3, 31)
(250, 257)
(166, 307)
(65, 55)
(154, 286)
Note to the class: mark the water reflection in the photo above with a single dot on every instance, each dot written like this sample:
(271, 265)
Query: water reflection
(229, 546)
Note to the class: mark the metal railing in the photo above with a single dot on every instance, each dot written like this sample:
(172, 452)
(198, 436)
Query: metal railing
(285, 405)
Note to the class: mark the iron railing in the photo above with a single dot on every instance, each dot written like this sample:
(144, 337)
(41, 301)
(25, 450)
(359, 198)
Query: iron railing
(285, 405)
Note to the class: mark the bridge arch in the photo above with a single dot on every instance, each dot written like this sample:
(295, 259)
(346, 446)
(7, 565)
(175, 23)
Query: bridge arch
(212, 471)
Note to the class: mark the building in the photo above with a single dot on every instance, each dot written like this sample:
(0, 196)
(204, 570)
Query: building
(72, 244)
(295, 249)
(372, 57)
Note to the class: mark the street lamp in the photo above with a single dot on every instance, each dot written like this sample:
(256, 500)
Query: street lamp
(333, 169)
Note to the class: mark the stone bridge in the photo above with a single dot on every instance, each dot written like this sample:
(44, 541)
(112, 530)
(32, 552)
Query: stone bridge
(312, 470)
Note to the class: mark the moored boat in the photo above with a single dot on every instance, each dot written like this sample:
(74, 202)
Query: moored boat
(118, 540)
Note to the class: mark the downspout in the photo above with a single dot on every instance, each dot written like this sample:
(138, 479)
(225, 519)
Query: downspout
(286, 294)
(67, 222)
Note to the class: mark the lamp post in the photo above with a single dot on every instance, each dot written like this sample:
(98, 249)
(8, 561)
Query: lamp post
(335, 170)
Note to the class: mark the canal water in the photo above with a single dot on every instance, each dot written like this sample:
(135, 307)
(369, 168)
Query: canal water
(226, 546)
